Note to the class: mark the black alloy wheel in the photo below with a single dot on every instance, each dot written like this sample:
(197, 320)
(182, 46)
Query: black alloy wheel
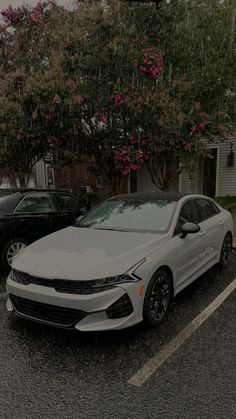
(226, 251)
(158, 298)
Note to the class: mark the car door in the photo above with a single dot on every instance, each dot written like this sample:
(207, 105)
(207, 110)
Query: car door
(189, 250)
(212, 226)
(68, 209)
(31, 216)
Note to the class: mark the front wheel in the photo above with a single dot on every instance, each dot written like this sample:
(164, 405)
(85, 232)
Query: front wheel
(11, 249)
(226, 251)
(158, 298)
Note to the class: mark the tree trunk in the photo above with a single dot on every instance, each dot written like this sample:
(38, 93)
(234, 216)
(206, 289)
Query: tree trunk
(108, 171)
(164, 170)
(22, 180)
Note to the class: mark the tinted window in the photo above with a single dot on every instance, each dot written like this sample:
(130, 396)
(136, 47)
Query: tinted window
(66, 202)
(205, 209)
(187, 215)
(128, 215)
(39, 202)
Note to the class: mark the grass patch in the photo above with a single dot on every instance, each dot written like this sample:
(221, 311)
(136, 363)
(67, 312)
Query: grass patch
(228, 202)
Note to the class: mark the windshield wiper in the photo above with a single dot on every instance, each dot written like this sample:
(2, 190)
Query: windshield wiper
(109, 228)
(96, 227)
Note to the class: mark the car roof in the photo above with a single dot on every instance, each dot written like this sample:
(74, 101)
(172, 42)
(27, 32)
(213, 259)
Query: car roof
(23, 190)
(9, 202)
(154, 196)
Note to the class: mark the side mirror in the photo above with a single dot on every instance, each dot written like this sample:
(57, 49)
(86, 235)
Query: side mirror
(189, 228)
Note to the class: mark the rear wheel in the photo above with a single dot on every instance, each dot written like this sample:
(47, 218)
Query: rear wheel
(158, 298)
(11, 249)
(226, 251)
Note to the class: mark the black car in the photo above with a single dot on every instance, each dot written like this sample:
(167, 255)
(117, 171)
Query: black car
(27, 215)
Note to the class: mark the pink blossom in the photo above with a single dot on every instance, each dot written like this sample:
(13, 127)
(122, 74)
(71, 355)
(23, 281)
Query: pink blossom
(202, 125)
(103, 118)
(187, 146)
(133, 141)
(78, 99)
(197, 106)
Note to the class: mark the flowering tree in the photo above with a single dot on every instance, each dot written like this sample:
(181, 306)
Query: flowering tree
(24, 41)
(112, 80)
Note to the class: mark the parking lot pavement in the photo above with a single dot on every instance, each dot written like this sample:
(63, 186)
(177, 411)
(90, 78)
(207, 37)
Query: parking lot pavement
(48, 372)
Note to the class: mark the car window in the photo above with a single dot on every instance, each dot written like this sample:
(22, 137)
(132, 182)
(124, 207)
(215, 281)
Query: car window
(187, 215)
(205, 209)
(35, 202)
(66, 202)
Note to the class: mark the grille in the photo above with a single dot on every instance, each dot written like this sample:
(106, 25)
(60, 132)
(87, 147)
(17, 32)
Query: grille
(61, 316)
(60, 285)
(121, 308)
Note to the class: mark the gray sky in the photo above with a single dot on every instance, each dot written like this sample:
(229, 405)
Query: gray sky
(15, 3)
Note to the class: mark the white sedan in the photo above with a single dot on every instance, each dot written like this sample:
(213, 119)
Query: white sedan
(121, 263)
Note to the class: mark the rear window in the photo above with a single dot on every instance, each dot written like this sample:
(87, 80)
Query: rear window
(35, 202)
(8, 203)
(66, 202)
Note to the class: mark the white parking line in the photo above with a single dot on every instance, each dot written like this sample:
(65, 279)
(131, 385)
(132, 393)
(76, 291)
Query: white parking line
(156, 362)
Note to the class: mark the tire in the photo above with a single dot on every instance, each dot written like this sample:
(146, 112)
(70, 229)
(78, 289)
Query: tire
(158, 298)
(10, 250)
(226, 251)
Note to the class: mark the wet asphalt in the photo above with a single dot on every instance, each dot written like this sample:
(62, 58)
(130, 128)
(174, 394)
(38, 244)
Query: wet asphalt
(53, 373)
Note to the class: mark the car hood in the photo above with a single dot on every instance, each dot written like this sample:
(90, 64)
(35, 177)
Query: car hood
(85, 253)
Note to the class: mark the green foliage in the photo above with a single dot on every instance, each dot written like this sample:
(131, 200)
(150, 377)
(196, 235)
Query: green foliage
(228, 202)
(79, 82)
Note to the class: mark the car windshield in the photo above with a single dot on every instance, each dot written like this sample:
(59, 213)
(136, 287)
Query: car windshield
(127, 215)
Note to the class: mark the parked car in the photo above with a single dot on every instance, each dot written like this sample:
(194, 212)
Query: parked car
(121, 263)
(30, 214)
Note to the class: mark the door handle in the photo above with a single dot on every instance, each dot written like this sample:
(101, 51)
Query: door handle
(202, 233)
(221, 222)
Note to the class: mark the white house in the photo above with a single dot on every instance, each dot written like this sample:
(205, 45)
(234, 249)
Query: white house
(216, 176)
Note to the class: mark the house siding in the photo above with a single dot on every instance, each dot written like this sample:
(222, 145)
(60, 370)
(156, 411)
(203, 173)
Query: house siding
(225, 177)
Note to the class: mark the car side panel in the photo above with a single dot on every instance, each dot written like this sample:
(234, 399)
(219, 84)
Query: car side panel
(213, 232)
(29, 227)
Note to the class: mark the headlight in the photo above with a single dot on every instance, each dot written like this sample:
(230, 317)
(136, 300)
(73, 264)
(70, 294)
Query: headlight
(101, 284)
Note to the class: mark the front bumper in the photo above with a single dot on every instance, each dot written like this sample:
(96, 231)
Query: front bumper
(114, 309)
